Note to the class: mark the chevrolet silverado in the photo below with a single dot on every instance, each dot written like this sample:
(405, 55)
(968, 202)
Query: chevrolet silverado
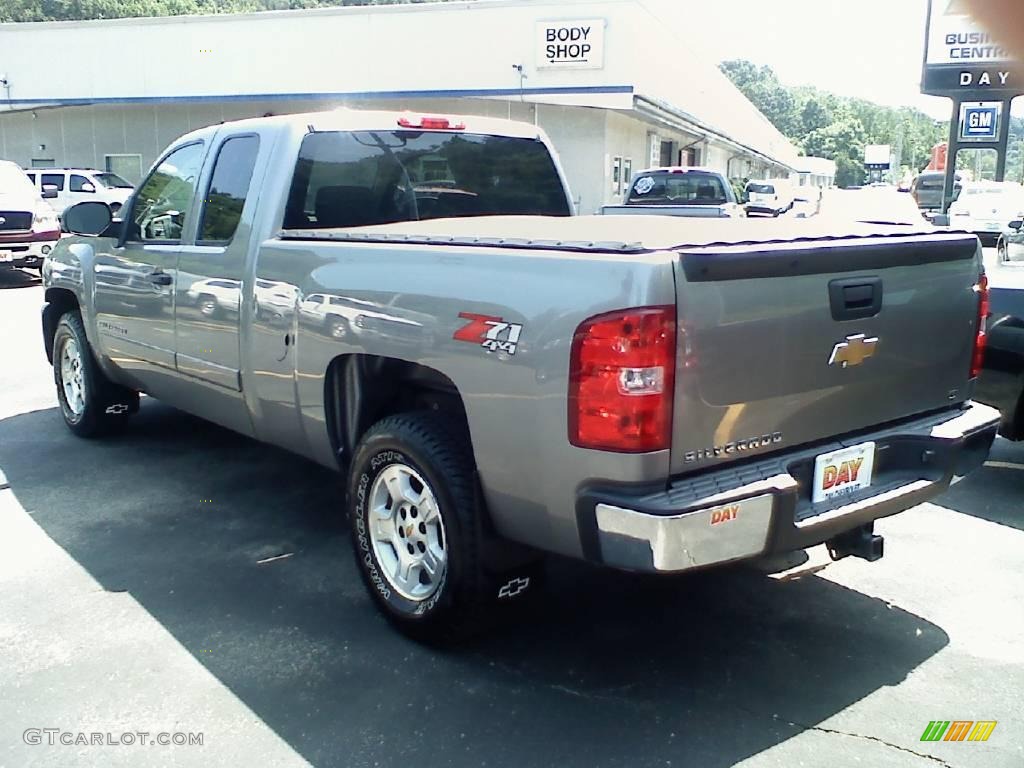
(496, 379)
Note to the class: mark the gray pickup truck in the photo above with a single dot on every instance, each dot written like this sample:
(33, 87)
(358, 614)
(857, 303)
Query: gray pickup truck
(679, 191)
(648, 393)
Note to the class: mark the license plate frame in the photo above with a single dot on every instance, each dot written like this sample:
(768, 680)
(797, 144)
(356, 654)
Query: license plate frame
(843, 472)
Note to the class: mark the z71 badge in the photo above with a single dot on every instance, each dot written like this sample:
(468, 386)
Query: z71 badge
(491, 333)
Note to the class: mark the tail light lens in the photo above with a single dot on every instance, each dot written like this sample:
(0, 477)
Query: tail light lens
(978, 358)
(621, 376)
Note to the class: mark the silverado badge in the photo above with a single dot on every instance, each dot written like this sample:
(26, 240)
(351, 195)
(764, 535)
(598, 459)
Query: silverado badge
(854, 351)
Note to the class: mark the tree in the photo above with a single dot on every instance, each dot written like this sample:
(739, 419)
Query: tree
(78, 10)
(835, 127)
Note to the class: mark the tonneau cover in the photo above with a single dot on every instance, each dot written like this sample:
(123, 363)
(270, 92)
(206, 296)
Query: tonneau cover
(635, 234)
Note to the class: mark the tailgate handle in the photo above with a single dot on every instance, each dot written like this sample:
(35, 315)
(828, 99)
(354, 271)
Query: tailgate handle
(855, 298)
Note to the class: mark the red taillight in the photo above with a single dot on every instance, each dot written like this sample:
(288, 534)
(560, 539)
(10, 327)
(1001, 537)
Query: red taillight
(432, 124)
(621, 375)
(978, 358)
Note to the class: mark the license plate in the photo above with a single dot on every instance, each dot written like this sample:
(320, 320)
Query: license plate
(843, 472)
(993, 227)
(6, 256)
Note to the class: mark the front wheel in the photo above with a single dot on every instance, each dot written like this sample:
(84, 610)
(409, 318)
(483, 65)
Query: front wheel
(417, 527)
(90, 403)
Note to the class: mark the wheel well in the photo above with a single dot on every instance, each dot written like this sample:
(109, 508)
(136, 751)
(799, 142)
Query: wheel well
(360, 390)
(58, 302)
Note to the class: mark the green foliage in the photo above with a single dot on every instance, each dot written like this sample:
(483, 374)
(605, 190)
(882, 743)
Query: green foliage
(835, 127)
(77, 10)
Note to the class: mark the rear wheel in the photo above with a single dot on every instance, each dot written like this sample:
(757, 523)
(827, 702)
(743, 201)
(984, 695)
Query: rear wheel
(208, 306)
(90, 403)
(337, 328)
(418, 529)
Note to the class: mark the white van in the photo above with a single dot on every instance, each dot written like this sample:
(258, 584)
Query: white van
(78, 185)
(769, 196)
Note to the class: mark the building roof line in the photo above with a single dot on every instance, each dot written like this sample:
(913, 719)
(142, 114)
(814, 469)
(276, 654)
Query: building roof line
(692, 124)
(574, 90)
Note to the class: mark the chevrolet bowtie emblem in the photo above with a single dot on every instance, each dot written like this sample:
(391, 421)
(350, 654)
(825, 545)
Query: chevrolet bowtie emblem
(854, 351)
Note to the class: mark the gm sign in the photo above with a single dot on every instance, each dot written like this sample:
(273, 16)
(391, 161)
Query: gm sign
(570, 44)
(980, 121)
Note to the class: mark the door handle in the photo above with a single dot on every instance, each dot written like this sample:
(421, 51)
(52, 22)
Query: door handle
(161, 278)
(855, 298)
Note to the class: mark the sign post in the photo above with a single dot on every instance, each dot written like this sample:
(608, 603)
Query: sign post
(965, 63)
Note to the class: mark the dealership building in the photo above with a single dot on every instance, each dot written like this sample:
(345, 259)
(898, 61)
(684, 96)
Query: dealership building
(614, 86)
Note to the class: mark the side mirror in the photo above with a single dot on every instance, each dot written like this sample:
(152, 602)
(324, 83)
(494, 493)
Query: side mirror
(1016, 225)
(49, 191)
(88, 187)
(940, 220)
(87, 219)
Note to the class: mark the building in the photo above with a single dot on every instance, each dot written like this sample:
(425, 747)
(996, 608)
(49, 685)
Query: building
(615, 88)
(816, 172)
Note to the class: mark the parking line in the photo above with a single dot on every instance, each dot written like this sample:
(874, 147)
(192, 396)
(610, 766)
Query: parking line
(1003, 465)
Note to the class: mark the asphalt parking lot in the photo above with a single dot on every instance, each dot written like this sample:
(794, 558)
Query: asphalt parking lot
(179, 578)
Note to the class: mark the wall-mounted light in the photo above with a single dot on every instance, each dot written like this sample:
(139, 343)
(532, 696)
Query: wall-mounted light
(42, 147)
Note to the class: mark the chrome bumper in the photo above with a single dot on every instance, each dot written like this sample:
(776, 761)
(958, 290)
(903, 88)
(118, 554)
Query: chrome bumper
(760, 517)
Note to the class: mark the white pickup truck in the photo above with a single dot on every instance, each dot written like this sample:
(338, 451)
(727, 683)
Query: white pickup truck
(679, 191)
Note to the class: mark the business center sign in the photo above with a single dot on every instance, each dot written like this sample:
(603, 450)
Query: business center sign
(961, 56)
(572, 44)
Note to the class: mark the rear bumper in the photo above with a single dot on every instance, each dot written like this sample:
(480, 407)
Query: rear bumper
(764, 508)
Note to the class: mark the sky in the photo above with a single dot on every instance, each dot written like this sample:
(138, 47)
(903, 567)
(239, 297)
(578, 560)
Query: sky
(870, 49)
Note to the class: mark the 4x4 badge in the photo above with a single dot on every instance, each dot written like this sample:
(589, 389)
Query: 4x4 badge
(491, 333)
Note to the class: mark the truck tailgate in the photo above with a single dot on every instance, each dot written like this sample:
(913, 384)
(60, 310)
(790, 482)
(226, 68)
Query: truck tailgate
(786, 344)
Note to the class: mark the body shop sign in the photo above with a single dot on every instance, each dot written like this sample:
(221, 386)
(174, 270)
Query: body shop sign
(570, 44)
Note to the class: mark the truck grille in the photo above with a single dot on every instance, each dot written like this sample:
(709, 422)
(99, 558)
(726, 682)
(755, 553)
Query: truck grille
(15, 221)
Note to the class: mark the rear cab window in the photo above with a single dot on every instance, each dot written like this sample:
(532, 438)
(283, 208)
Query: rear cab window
(679, 188)
(363, 178)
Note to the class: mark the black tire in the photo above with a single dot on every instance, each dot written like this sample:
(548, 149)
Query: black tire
(338, 328)
(103, 405)
(432, 447)
(208, 306)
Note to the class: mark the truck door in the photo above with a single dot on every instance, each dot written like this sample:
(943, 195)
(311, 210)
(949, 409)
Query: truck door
(134, 278)
(209, 289)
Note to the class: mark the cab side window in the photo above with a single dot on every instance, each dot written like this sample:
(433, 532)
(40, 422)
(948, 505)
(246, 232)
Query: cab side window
(163, 201)
(81, 184)
(229, 186)
(57, 179)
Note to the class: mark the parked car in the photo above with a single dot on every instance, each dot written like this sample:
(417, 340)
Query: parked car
(212, 296)
(986, 208)
(646, 393)
(927, 189)
(769, 196)
(28, 226)
(78, 185)
(693, 192)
